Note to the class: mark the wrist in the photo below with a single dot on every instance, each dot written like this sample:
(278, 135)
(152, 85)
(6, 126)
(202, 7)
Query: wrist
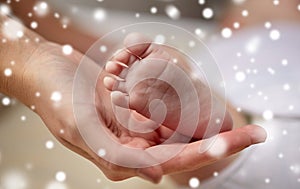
(14, 57)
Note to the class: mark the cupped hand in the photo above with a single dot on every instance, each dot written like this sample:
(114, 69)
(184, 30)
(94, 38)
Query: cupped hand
(52, 73)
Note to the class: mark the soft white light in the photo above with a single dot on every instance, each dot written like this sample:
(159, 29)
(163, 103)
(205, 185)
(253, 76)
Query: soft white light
(267, 180)
(153, 10)
(12, 29)
(56, 96)
(238, 1)
(245, 13)
(6, 101)
(49, 144)
(226, 32)
(274, 34)
(236, 25)
(60, 176)
(286, 87)
(103, 48)
(33, 25)
(101, 152)
(207, 13)
(194, 182)
(41, 8)
(276, 2)
(99, 14)
(280, 155)
(56, 185)
(173, 12)
(201, 2)
(56, 15)
(295, 169)
(268, 25)
(268, 115)
(252, 45)
(23, 118)
(200, 33)
(291, 107)
(37, 39)
(216, 174)
(4, 9)
(298, 7)
(20, 34)
(271, 71)
(160, 39)
(14, 180)
(284, 62)
(67, 49)
(37, 94)
(240, 76)
(218, 148)
(61, 131)
(192, 44)
(7, 72)
(284, 132)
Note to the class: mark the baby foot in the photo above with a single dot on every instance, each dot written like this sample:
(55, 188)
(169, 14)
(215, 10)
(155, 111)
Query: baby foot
(142, 78)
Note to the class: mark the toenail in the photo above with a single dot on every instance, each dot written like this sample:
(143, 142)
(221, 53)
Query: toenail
(122, 64)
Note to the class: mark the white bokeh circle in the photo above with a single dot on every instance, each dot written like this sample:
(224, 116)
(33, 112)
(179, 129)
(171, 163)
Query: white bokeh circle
(93, 128)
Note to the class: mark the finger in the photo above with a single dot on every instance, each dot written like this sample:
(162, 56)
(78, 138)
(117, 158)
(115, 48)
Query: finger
(138, 162)
(231, 142)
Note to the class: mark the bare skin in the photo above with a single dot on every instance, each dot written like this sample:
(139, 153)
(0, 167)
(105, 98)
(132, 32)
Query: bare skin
(41, 67)
(142, 58)
(260, 11)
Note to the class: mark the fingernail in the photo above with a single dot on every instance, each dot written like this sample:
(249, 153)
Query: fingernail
(258, 135)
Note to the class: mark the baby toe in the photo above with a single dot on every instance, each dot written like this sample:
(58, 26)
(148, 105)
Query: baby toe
(120, 99)
(115, 67)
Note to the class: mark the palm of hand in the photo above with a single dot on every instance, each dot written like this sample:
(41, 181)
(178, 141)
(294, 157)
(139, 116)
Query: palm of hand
(56, 71)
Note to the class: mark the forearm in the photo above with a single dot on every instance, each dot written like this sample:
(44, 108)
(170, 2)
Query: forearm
(14, 55)
(51, 28)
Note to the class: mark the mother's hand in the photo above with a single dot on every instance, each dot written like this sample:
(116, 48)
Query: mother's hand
(126, 154)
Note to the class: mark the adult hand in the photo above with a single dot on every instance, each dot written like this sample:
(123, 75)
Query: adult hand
(43, 78)
(55, 73)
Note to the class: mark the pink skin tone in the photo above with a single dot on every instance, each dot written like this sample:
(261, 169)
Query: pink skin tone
(140, 58)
